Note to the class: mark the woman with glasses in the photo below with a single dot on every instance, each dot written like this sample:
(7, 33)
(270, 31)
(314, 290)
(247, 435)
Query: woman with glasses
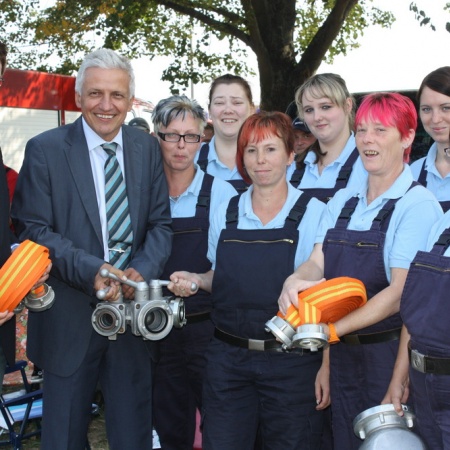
(255, 241)
(230, 103)
(178, 123)
(433, 171)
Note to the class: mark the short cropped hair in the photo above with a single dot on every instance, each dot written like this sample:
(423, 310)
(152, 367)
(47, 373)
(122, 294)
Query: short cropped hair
(105, 58)
(175, 106)
(259, 126)
(392, 110)
(329, 85)
(231, 79)
(438, 80)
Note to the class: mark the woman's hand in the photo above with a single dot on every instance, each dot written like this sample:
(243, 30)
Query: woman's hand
(291, 287)
(397, 393)
(322, 384)
(185, 284)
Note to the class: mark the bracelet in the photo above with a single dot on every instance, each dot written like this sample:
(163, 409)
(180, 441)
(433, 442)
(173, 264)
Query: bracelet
(334, 338)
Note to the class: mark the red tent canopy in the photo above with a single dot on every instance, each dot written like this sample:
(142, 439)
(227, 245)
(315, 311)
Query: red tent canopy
(38, 90)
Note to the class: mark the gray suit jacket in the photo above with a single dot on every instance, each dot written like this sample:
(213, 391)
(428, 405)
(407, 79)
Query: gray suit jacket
(55, 205)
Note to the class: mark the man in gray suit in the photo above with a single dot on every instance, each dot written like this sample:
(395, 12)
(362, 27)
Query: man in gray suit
(60, 203)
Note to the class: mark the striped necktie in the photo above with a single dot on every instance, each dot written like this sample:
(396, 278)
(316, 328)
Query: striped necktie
(117, 211)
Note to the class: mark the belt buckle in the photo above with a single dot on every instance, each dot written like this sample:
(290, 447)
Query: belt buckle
(418, 361)
(255, 344)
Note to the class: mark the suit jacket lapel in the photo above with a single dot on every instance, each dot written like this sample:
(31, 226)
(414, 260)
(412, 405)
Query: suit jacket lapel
(132, 154)
(79, 162)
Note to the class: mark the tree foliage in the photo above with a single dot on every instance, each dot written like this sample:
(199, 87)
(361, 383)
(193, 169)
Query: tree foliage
(422, 17)
(289, 38)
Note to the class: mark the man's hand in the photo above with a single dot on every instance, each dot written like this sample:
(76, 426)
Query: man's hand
(133, 275)
(105, 283)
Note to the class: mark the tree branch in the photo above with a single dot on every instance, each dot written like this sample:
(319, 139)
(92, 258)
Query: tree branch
(222, 27)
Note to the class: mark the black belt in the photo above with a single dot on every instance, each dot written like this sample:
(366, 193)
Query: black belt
(269, 345)
(372, 338)
(428, 364)
(198, 317)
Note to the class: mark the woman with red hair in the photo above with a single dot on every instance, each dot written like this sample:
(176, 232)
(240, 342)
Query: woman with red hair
(255, 241)
(371, 233)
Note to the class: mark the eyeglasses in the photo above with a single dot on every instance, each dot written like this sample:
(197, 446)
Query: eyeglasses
(174, 137)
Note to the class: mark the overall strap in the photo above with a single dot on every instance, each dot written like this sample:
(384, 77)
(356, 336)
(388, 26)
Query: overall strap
(203, 156)
(442, 243)
(232, 213)
(297, 212)
(204, 197)
(297, 177)
(346, 170)
(381, 221)
(423, 175)
(346, 212)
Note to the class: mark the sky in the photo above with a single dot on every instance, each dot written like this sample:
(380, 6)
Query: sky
(388, 59)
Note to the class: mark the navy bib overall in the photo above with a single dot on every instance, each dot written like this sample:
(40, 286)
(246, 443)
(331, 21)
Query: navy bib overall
(424, 308)
(246, 388)
(445, 204)
(179, 372)
(360, 374)
(324, 194)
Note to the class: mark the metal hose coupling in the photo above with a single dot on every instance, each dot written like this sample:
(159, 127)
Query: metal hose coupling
(38, 299)
(150, 315)
(323, 303)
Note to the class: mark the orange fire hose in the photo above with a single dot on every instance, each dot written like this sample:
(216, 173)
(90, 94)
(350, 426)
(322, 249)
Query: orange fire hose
(327, 302)
(20, 273)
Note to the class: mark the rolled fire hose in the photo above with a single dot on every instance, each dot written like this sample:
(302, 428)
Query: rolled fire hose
(20, 273)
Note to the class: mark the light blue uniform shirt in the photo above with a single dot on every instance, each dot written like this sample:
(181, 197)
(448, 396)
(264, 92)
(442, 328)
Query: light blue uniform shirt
(437, 230)
(215, 167)
(328, 177)
(248, 220)
(410, 224)
(221, 191)
(439, 186)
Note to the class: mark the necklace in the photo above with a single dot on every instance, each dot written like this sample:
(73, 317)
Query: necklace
(174, 197)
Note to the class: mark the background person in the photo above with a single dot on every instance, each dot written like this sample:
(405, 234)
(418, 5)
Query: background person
(371, 234)
(303, 136)
(327, 108)
(230, 103)
(61, 202)
(433, 171)
(140, 124)
(194, 196)
(208, 132)
(255, 240)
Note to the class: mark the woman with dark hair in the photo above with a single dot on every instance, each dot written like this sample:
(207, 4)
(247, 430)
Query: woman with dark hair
(423, 362)
(230, 103)
(255, 241)
(371, 234)
(332, 163)
(433, 170)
